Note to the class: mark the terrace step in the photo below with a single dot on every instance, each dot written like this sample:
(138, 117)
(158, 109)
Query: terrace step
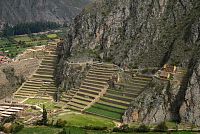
(103, 75)
(133, 91)
(86, 94)
(47, 67)
(64, 100)
(94, 85)
(80, 102)
(89, 91)
(66, 97)
(83, 98)
(33, 84)
(100, 72)
(97, 78)
(111, 104)
(137, 83)
(24, 94)
(28, 89)
(31, 87)
(92, 88)
(105, 65)
(75, 108)
(106, 77)
(123, 93)
(44, 80)
(76, 105)
(45, 72)
(143, 78)
(43, 76)
(118, 97)
(115, 101)
(95, 81)
(29, 92)
(73, 91)
(46, 89)
(109, 108)
(50, 57)
(104, 113)
(130, 86)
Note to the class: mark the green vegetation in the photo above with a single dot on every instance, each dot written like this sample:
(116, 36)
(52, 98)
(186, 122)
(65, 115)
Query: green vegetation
(82, 120)
(104, 113)
(73, 130)
(34, 101)
(28, 27)
(15, 45)
(52, 36)
(117, 110)
(39, 130)
(22, 38)
(49, 105)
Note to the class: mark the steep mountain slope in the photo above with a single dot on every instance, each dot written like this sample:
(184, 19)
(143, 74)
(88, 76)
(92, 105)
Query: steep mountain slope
(141, 34)
(60, 11)
(129, 32)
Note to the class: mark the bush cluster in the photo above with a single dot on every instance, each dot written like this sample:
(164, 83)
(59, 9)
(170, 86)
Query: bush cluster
(162, 127)
(95, 128)
(60, 123)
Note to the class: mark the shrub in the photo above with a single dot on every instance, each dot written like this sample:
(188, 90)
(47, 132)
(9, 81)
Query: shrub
(17, 127)
(144, 71)
(123, 128)
(1, 127)
(64, 131)
(162, 127)
(142, 128)
(61, 123)
(95, 128)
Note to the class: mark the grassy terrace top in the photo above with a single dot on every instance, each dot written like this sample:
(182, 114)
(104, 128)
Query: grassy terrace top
(15, 45)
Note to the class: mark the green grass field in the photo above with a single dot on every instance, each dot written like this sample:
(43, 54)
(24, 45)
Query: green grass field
(75, 130)
(105, 113)
(37, 43)
(24, 38)
(3, 41)
(40, 130)
(15, 45)
(48, 104)
(52, 36)
(81, 120)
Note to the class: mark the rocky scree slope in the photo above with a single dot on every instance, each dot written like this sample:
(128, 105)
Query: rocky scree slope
(60, 11)
(142, 34)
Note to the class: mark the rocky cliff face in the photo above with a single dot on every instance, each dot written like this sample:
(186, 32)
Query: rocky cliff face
(127, 32)
(60, 11)
(190, 110)
(147, 33)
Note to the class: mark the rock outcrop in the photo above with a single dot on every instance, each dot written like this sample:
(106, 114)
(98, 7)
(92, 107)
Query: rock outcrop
(147, 33)
(190, 110)
(14, 74)
(139, 34)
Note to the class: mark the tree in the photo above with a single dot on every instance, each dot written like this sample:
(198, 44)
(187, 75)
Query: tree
(44, 116)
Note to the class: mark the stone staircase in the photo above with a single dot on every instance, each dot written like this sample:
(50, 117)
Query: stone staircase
(41, 83)
(114, 103)
(92, 88)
